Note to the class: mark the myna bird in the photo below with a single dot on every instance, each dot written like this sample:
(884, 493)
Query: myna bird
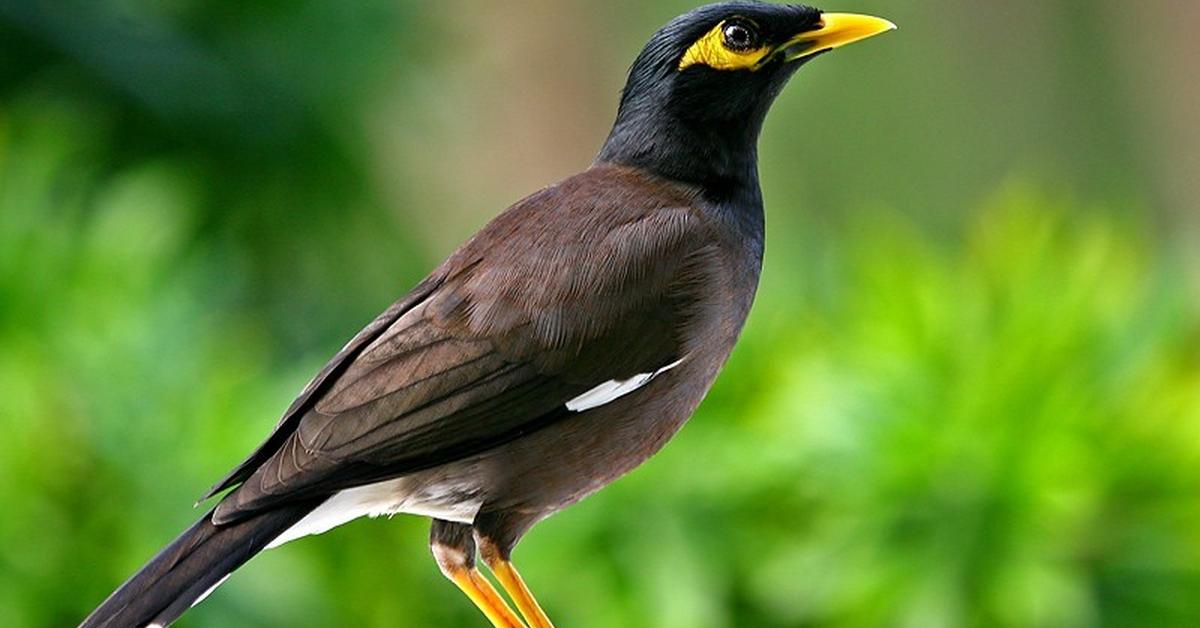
(556, 350)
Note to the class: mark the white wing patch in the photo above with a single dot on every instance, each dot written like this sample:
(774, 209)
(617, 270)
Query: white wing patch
(615, 388)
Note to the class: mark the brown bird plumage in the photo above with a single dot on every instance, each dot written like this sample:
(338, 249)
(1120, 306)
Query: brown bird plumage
(556, 350)
(624, 274)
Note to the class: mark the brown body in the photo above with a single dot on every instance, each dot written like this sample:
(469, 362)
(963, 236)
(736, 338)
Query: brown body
(555, 351)
(460, 388)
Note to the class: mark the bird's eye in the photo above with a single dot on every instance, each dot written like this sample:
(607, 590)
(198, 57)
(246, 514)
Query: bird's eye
(740, 37)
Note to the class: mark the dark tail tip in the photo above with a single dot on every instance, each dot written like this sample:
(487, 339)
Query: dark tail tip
(190, 566)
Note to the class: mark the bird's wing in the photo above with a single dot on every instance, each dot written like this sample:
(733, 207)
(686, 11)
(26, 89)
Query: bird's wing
(320, 384)
(558, 295)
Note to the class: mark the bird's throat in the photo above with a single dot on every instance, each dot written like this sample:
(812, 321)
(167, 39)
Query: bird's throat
(721, 159)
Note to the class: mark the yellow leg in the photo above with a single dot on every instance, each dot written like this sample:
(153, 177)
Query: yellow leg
(485, 597)
(514, 585)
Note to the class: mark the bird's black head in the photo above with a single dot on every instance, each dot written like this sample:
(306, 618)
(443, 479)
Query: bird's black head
(698, 93)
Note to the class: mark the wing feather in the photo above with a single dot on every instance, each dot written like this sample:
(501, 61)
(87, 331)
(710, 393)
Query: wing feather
(497, 348)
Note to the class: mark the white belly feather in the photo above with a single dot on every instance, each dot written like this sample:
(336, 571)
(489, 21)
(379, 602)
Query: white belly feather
(374, 500)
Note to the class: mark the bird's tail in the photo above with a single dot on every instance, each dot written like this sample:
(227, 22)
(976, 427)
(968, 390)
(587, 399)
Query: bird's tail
(190, 567)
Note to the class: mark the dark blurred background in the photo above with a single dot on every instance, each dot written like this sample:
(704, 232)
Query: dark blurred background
(969, 394)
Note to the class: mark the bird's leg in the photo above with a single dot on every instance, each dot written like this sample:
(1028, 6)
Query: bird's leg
(497, 559)
(454, 550)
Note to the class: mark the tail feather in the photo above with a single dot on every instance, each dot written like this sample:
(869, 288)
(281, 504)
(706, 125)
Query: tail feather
(191, 566)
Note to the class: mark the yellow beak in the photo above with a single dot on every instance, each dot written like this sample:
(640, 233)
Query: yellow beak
(834, 31)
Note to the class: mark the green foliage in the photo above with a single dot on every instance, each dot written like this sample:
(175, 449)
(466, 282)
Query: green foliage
(1000, 430)
(988, 420)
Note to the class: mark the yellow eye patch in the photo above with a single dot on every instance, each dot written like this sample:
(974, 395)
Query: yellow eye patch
(711, 51)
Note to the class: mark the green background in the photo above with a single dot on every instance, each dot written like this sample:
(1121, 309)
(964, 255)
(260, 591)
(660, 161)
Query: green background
(968, 395)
